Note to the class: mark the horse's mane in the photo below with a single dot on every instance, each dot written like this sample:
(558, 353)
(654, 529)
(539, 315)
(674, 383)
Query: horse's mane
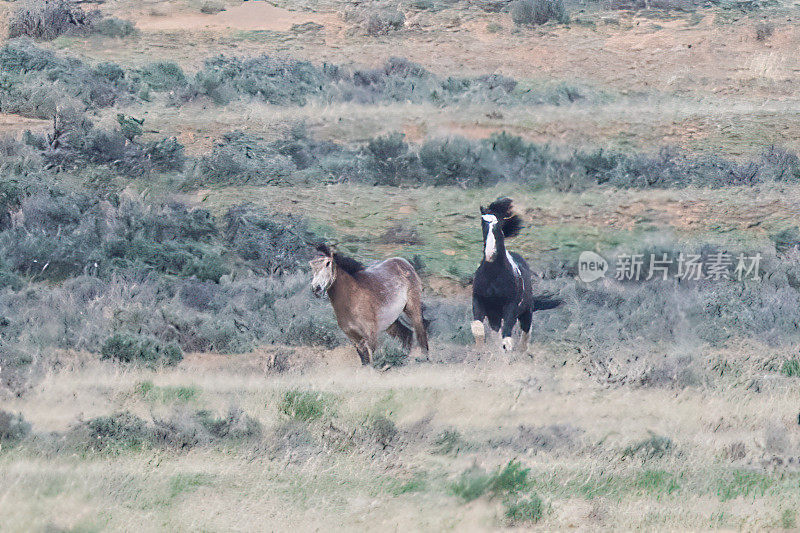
(510, 222)
(348, 264)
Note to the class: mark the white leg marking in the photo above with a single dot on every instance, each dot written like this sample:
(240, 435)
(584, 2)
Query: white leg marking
(523, 345)
(478, 332)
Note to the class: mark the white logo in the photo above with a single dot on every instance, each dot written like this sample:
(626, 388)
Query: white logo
(591, 266)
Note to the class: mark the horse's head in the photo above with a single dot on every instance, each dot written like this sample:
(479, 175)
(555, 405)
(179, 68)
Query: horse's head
(322, 268)
(498, 221)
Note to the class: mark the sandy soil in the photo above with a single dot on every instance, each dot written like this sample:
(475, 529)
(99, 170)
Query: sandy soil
(249, 16)
(14, 124)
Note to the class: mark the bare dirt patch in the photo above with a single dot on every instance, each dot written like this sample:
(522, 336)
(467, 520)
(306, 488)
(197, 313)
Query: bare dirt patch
(249, 16)
(14, 124)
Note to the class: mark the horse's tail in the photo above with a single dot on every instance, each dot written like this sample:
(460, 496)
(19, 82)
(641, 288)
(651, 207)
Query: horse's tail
(545, 303)
(425, 321)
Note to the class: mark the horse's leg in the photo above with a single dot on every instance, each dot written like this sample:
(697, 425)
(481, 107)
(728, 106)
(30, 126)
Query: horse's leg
(509, 318)
(371, 342)
(495, 319)
(413, 310)
(399, 331)
(478, 314)
(525, 320)
(361, 348)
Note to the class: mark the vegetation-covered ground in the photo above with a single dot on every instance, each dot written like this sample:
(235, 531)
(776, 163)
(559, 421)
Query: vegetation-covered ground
(166, 166)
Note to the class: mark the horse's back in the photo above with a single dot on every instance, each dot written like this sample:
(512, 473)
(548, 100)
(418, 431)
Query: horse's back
(393, 267)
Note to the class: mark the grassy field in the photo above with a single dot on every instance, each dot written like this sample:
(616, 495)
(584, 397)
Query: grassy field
(708, 457)
(650, 406)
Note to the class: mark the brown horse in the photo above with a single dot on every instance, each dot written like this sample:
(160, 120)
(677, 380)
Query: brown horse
(369, 300)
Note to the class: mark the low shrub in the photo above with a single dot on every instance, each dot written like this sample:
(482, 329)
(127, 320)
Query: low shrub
(272, 243)
(791, 368)
(764, 30)
(161, 76)
(16, 368)
(13, 429)
(381, 22)
(512, 478)
(133, 348)
(181, 429)
(390, 158)
(115, 433)
(389, 354)
(382, 430)
(448, 442)
(275, 81)
(536, 12)
(37, 83)
(242, 159)
(306, 405)
(523, 510)
(114, 27)
(653, 447)
(166, 154)
(235, 425)
(449, 321)
(211, 8)
(47, 19)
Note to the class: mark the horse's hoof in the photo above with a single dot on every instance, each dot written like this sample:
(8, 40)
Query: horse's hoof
(508, 344)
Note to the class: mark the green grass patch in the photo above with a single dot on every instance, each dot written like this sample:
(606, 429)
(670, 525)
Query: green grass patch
(167, 394)
(306, 405)
(789, 519)
(185, 483)
(737, 483)
(791, 368)
(475, 482)
(523, 510)
(656, 482)
(418, 483)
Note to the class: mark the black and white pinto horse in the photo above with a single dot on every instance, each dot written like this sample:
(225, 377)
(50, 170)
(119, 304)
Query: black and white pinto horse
(502, 291)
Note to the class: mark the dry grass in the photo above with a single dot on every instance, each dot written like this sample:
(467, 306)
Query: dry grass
(585, 482)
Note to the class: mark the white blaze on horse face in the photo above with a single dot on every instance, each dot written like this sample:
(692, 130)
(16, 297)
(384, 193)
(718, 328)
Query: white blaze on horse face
(491, 245)
(323, 275)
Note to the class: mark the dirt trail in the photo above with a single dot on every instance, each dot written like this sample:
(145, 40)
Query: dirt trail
(248, 16)
(14, 124)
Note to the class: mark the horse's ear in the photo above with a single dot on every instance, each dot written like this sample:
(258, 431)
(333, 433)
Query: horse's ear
(324, 249)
